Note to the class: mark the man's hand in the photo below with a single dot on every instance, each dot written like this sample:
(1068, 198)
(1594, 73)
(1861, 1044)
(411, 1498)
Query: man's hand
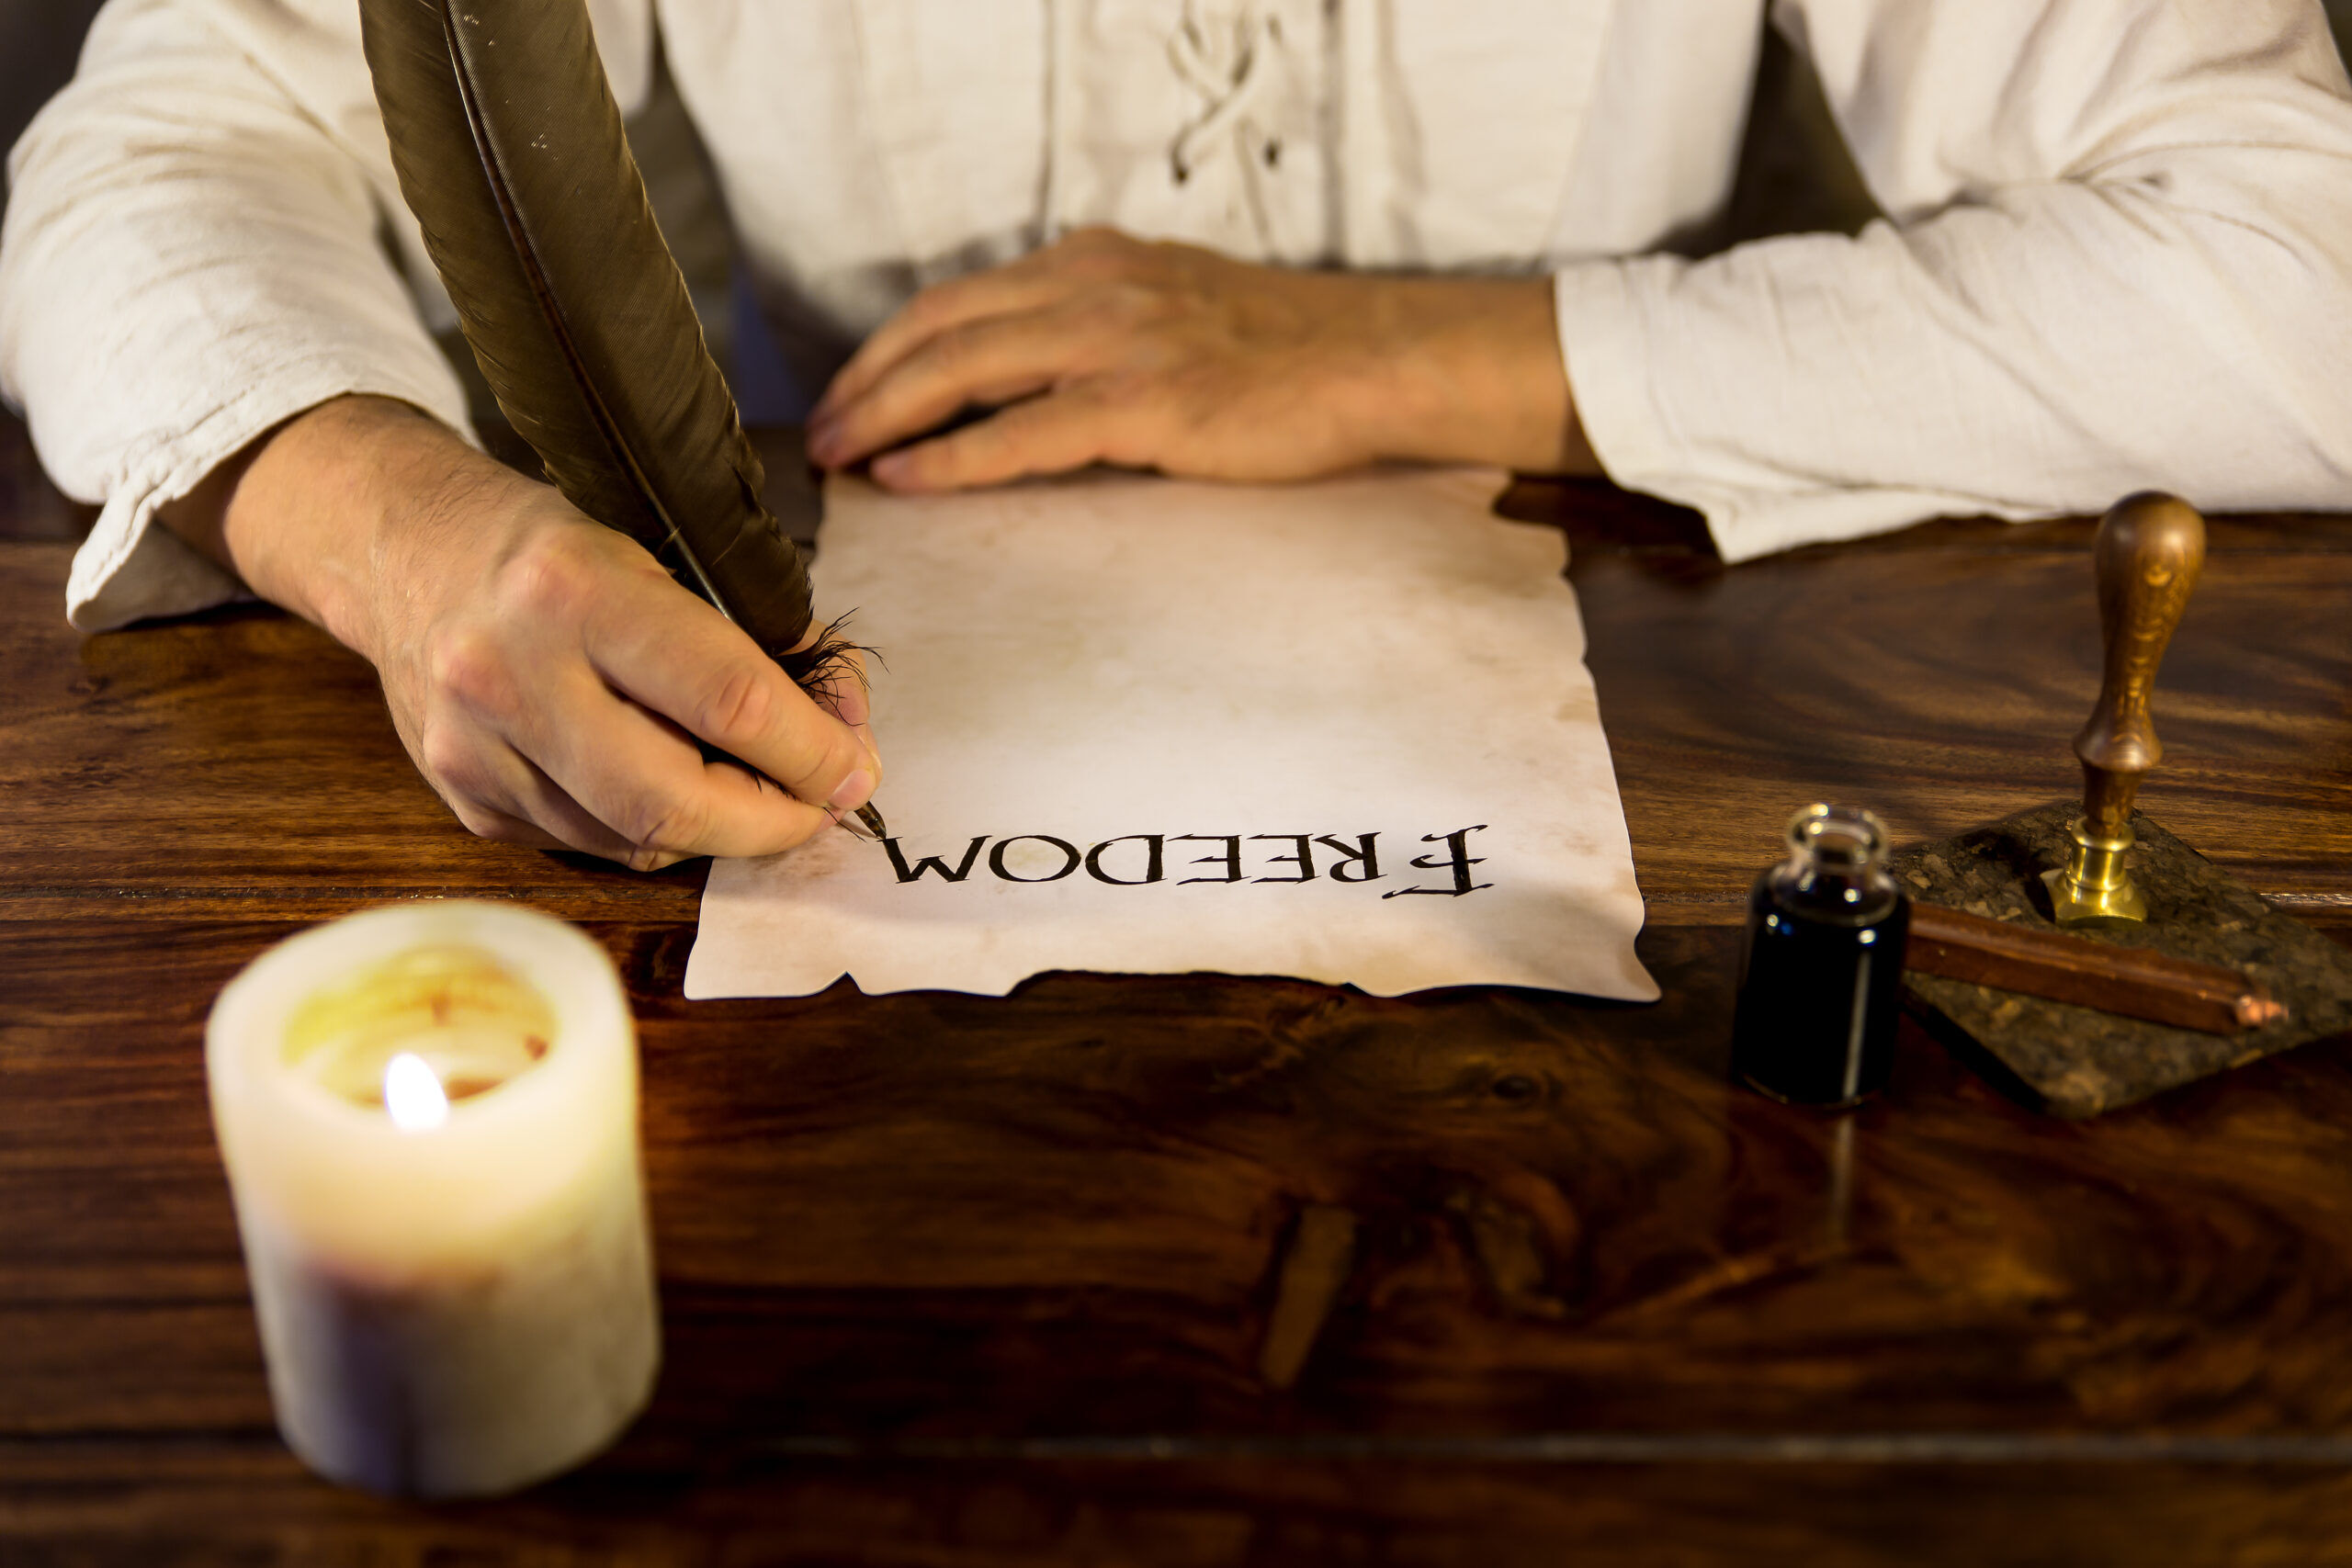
(547, 676)
(1103, 349)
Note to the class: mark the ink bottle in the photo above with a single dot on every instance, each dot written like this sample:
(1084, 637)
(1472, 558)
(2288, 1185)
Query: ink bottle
(1821, 971)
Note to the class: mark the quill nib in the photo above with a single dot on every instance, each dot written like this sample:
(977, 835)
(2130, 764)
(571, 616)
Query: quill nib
(865, 823)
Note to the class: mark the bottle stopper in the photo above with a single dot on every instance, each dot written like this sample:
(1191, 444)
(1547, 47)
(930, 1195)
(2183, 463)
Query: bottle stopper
(2148, 553)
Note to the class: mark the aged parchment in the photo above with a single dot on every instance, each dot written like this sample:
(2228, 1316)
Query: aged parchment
(1341, 731)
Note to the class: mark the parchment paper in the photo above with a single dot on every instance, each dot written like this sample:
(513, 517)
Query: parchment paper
(1341, 731)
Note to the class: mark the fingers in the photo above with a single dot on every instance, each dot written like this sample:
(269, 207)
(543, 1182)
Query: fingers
(988, 338)
(532, 799)
(1023, 286)
(1063, 430)
(500, 795)
(588, 769)
(651, 787)
(995, 360)
(670, 653)
(561, 701)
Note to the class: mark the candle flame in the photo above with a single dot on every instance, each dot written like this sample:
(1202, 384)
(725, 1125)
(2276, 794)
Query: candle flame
(413, 1095)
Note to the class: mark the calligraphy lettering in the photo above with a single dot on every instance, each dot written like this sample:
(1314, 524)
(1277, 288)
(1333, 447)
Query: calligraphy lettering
(933, 862)
(1459, 861)
(1300, 858)
(1355, 858)
(1152, 872)
(1364, 854)
(996, 857)
(1231, 859)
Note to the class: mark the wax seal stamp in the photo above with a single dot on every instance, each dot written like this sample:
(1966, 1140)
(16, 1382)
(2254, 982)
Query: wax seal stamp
(2148, 553)
(2202, 974)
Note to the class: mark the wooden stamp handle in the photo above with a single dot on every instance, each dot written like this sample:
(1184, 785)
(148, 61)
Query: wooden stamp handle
(2149, 551)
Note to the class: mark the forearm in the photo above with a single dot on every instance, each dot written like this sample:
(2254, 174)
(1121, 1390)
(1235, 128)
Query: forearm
(2115, 257)
(316, 514)
(1468, 370)
(2042, 352)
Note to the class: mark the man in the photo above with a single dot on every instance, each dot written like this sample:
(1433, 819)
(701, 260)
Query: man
(2118, 253)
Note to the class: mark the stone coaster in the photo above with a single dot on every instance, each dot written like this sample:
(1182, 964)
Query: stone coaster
(2076, 1061)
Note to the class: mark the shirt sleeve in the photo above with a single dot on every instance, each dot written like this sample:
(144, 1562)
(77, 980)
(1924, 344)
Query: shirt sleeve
(192, 256)
(2118, 255)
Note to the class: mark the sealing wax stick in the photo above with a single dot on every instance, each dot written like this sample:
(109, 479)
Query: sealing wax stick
(2133, 981)
(428, 1112)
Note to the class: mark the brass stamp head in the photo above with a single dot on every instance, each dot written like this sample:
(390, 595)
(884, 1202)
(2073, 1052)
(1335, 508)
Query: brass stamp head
(2093, 884)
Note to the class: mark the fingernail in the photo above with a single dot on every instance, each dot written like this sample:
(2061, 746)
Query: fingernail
(852, 793)
(823, 437)
(892, 467)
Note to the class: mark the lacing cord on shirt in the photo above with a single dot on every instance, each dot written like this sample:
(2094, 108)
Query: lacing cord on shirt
(1230, 80)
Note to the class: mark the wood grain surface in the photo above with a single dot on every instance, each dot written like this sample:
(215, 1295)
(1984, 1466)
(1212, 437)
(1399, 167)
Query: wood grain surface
(1196, 1269)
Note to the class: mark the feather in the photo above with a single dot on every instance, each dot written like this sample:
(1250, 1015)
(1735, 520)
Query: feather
(510, 151)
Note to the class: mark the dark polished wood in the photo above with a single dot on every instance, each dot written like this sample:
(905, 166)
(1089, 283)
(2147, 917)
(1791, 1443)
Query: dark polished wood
(1193, 1270)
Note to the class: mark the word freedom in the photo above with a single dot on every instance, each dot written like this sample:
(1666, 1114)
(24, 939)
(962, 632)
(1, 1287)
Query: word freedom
(1136, 860)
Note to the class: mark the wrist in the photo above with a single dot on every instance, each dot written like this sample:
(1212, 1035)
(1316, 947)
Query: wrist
(313, 514)
(1469, 370)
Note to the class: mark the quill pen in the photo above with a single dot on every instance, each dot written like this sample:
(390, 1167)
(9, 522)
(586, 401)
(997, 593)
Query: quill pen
(510, 151)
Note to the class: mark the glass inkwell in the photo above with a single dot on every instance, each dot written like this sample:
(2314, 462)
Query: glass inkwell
(1821, 971)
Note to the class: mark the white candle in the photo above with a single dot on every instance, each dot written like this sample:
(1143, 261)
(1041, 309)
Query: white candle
(429, 1116)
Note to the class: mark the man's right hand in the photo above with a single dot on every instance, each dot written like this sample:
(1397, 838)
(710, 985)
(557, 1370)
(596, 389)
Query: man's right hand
(548, 677)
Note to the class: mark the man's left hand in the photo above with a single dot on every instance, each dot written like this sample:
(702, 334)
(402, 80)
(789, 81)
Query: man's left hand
(1106, 349)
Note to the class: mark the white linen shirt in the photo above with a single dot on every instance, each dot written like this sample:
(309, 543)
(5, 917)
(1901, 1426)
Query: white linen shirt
(2119, 251)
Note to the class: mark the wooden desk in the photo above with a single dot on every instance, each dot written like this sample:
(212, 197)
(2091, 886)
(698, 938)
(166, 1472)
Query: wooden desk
(954, 1280)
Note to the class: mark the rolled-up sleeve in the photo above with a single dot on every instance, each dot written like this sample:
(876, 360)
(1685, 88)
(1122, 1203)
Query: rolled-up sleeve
(195, 252)
(2118, 255)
